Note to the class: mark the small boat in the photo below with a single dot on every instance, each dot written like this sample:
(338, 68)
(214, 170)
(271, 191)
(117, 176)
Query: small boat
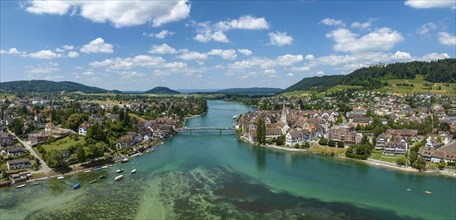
(87, 171)
(119, 177)
(162, 143)
(110, 165)
(427, 192)
(60, 177)
(93, 181)
(105, 167)
(102, 176)
(20, 186)
(153, 149)
(235, 116)
(133, 171)
(97, 169)
(119, 170)
(124, 160)
(409, 190)
(76, 186)
(36, 183)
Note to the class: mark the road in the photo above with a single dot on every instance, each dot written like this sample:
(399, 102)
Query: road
(44, 167)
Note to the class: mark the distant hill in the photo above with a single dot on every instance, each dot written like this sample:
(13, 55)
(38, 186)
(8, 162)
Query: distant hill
(251, 91)
(45, 86)
(376, 77)
(161, 91)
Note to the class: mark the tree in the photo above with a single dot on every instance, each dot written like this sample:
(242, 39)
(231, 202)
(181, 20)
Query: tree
(17, 125)
(54, 159)
(80, 153)
(323, 141)
(306, 145)
(280, 140)
(420, 164)
(400, 160)
(96, 132)
(442, 164)
(261, 131)
(331, 143)
(74, 121)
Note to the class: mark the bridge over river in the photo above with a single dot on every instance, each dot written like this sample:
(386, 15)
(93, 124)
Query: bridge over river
(190, 130)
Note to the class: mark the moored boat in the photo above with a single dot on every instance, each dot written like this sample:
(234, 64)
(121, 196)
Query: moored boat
(427, 192)
(20, 186)
(76, 186)
(102, 176)
(105, 167)
(119, 177)
(97, 169)
(36, 183)
(60, 177)
(133, 171)
(119, 170)
(93, 181)
(87, 171)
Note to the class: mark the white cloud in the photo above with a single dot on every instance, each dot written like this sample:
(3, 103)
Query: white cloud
(263, 63)
(216, 32)
(332, 22)
(280, 39)
(426, 28)
(160, 35)
(73, 54)
(379, 40)
(119, 13)
(246, 52)
(288, 59)
(229, 54)
(320, 73)
(362, 25)
(45, 54)
(270, 72)
(42, 69)
(434, 56)
(11, 51)
(97, 46)
(422, 4)
(55, 77)
(447, 39)
(290, 74)
(88, 73)
(68, 47)
(130, 74)
(162, 49)
(301, 69)
(310, 57)
(399, 55)
(129, 62)
(193, 56)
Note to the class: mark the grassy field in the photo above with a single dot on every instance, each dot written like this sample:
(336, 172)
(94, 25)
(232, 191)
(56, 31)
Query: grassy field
(378, 155)
(62, 144)
(419, 86)
(297, 94)
(318, 149)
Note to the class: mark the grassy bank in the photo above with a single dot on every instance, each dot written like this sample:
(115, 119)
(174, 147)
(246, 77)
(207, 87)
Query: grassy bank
(326, 150)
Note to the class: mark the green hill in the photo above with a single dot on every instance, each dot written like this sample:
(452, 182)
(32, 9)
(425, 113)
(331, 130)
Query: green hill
(159, 90)
(380, 76)
(44, 86)
(251, 91)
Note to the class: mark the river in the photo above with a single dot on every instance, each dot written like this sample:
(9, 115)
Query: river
(211, 176)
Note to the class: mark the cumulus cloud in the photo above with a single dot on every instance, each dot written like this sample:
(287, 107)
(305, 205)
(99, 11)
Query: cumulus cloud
(332, 22)
(363, 25)
(310, 57)
(434, 56)
(190, 55)
(447, 39)
(129, 62)
(12, 51)
(207, 31)
(288, 59)
(301, 69)
(290, 74)
(280, 39)
(423, 4)
(229, 54)
(130, 74)
(162, 49)
(399, 55)
(73, 54)
(246, 52)
(426, 28)
(119, 13)
(160, 35)
(45, 54)
(97, 46)
(379, 40)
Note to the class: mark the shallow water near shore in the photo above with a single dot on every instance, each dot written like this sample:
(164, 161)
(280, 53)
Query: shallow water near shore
(206, 175)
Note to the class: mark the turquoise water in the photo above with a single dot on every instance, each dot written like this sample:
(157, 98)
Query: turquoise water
(210, 176)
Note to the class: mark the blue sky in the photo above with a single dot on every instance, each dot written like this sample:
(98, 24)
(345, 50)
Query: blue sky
(137, 45)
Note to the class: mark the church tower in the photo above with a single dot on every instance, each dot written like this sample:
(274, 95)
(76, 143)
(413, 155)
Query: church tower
(283, 116)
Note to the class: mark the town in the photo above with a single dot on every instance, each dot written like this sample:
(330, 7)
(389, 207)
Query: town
(390, 129)
(41, 135)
